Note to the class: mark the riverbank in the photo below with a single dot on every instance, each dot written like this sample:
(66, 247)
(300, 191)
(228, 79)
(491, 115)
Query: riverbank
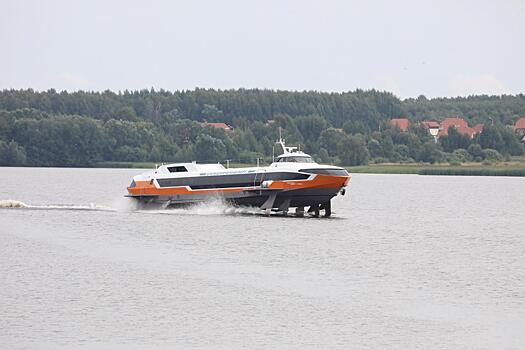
(139, 165)
(468, 169)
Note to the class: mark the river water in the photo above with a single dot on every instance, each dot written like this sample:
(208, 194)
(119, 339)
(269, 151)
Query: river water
(407, 262)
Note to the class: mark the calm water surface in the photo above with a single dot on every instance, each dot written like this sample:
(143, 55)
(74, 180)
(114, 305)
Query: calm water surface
(408, 262)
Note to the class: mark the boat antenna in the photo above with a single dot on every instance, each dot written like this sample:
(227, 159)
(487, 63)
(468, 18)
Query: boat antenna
(286, 149)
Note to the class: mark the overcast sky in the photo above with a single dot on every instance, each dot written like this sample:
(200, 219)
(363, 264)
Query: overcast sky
(435, 48)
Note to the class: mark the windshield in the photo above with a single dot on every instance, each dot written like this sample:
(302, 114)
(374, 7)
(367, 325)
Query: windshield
(296, 159)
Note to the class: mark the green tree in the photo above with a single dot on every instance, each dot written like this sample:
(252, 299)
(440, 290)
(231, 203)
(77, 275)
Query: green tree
(490, 137)
(323, 156)
(402, 151)
(185, 154)
(475, 151)
(356, 127)
(430, 153)
(352, 150)
(61, 141)
(12, 153)
(375, 149)
(311, 127)
(209, 149)
(462, 155)
(212, 113)
(511, 142)
(387, 146)
(454, 140)
(126, 113)
(330, 139)
(492, 154)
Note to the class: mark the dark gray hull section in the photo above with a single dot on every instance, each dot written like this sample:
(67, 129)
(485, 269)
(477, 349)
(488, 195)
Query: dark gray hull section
(252, 198)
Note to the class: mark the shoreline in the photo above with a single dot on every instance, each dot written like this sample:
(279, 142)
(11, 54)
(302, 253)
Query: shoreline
(467, 169)
(516, 169)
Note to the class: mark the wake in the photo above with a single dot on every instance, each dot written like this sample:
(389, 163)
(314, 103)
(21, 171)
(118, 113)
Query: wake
(212, 207)
(14, 204)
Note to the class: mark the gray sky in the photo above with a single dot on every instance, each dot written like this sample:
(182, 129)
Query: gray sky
(435, 48)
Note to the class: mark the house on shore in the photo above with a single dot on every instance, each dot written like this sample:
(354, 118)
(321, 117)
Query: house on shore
(519, 127)
(223, 126)
(460, 125)
(439, 129)
(432, 126)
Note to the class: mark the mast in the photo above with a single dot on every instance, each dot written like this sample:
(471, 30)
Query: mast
(286, 149)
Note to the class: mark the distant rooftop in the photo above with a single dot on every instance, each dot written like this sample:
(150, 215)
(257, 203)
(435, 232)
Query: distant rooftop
(430, 124)
(520, 123)
(223, 126)
(401, 123)
(460, 125)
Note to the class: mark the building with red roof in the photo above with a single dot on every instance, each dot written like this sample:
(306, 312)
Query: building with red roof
(222, 126)
(519, 127)
(478, 128)
(401, 123)
(460, 125)
(432, 126)
(455, 122)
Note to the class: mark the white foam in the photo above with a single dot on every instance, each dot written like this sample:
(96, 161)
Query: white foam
(10, 203)
(125, 204)
(214, 206)
(14, 204)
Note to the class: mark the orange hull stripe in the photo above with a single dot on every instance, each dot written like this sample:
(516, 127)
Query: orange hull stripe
(320, 181)
(144, 188)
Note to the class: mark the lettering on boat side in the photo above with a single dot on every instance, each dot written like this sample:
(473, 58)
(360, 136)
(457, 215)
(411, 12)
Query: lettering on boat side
(228, 173)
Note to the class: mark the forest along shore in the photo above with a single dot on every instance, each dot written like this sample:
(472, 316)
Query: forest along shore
(82, 129)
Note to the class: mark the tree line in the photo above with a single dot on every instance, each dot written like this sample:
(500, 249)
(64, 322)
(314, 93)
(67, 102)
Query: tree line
(51, 128)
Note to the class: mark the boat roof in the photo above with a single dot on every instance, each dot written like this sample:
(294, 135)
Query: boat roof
(294, 154)
(188, 167)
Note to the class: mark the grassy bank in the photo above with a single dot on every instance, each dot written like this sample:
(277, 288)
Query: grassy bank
(141, 165)
(386, 169)
(459, 171)
(469, 169)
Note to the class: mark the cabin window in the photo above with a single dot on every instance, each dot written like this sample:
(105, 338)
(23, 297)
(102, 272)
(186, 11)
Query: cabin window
(177, 169)
(333, 172)
(295, 159)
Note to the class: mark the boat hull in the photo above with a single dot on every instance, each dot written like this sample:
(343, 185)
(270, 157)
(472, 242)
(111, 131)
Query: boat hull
(311, 191)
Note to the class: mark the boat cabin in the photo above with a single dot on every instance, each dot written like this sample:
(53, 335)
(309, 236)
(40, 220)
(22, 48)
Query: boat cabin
(294, 158)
